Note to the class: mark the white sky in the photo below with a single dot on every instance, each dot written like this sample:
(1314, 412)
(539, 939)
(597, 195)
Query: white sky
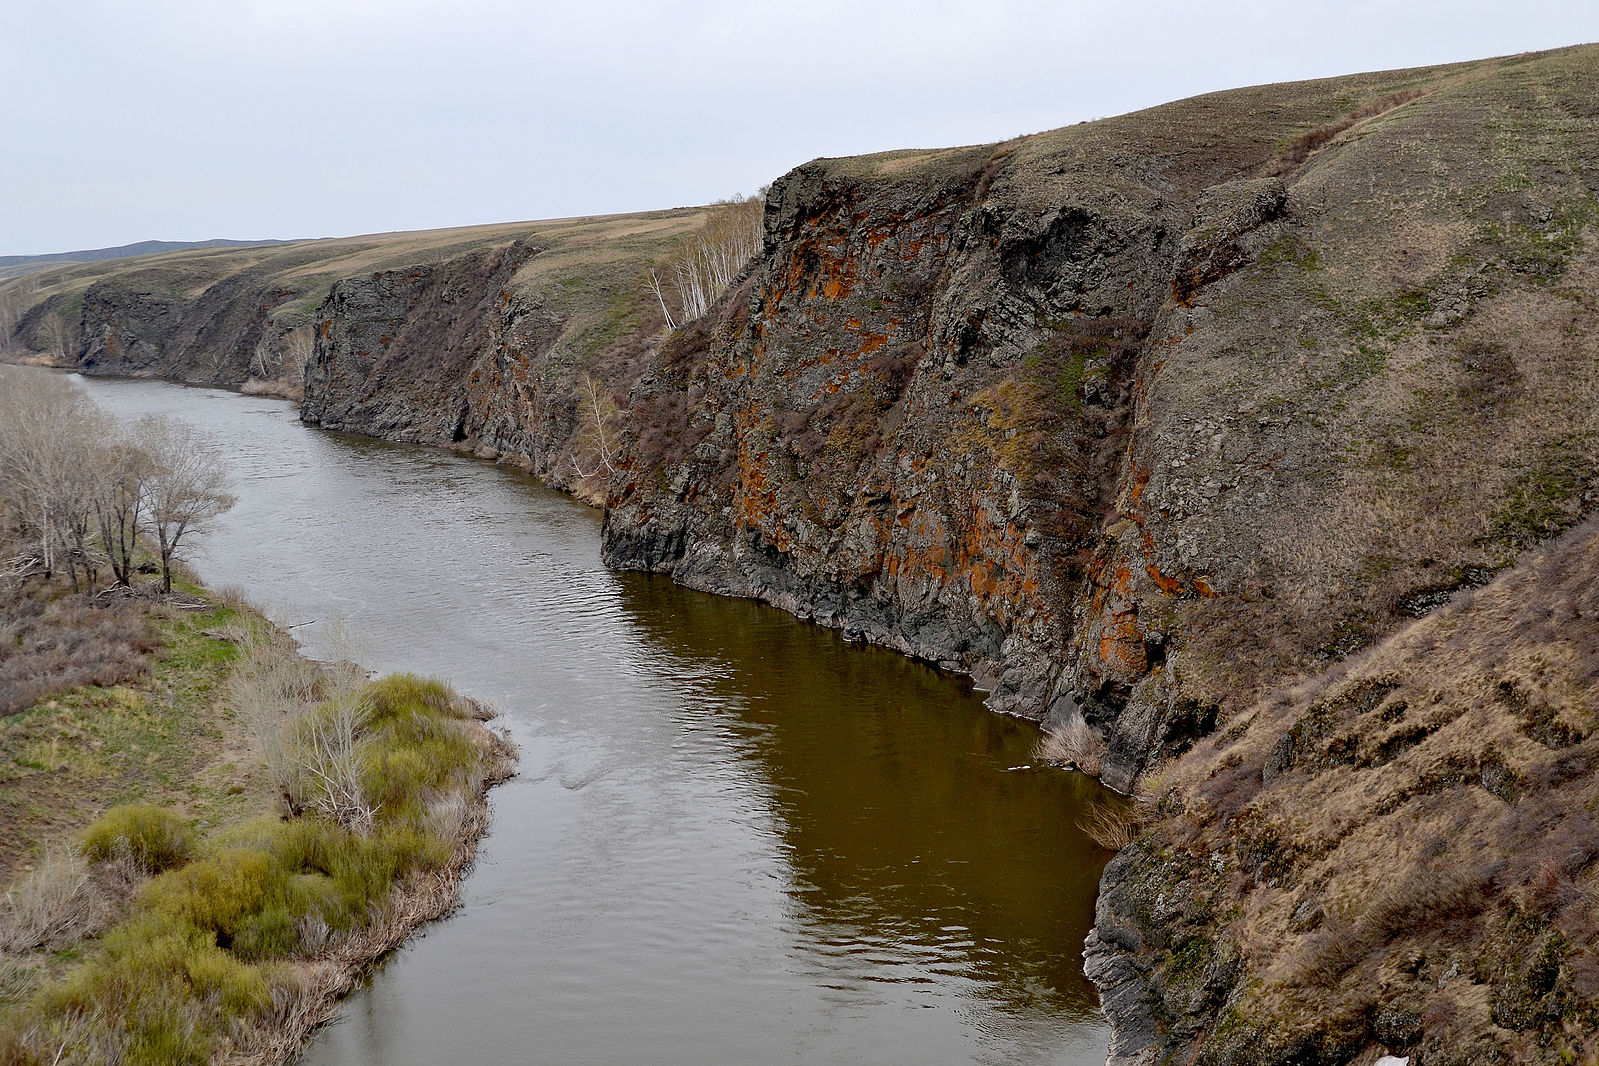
(190, 119)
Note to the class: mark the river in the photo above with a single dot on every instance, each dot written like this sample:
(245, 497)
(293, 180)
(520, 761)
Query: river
(733, 838)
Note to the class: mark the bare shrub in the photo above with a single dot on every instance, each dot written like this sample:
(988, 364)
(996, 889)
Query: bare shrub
(53, 906)
(16, 980)
(447, 814)
(233, 596)
(328, 767)
(313, 933)
(270, 687)
(1075, 744)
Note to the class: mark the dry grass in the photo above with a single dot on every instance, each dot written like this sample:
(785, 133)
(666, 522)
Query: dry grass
(1111, 827)
(1075, 744)
(57, 904)
(1424, 810)
(66, 758)
(1301, 147)
(52, 639)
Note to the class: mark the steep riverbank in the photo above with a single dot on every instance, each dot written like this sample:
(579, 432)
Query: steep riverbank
(478, 339)
(1139, 421)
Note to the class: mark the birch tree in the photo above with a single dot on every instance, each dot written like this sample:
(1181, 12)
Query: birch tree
(265, 360)
(655, 288)
(298, 344)
(12, 304)
(705, 265)
(597, 413)
(58, 338)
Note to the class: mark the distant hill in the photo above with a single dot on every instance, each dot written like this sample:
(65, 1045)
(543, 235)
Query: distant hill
(13, 266)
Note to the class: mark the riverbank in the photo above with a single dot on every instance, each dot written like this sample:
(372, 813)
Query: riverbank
(262, 905)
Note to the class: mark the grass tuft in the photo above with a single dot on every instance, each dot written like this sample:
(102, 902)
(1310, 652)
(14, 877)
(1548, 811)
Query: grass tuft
(154, 836)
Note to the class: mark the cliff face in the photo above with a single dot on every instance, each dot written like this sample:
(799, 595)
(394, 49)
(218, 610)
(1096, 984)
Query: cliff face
(459, 354)
(1149, 418)
(475, 337)
(395, 349)
(144, 331)
(860, 436)
(498, 350)
(1054, 412)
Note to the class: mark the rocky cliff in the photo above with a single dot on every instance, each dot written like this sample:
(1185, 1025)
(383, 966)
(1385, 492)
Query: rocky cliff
(500, 350)
(1077, 413)
(1148, 418)
(477, 338)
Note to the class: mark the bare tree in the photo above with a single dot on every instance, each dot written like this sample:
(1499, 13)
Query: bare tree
(597, 412)
(119, 503)
(13, 301)
(654, 288)
(186, 485)
(706, 264)
(79, 502)
(298, 344)
(265, 360)
(47, 425)
(58, 338)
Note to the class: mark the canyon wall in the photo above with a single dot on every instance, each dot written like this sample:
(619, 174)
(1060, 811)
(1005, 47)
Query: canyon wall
(1076, 413)
(1168, 422)
(1166, 418)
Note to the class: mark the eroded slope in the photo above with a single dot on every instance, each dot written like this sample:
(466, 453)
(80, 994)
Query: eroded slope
(1398, 854)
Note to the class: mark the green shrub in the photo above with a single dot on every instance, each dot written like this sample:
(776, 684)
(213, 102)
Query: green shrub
(404, 767)
(269, 933)
(159, 976)
(156, 837)
(169, 982)
(221, 894)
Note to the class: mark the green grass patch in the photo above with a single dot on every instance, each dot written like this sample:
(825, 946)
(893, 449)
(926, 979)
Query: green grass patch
(204, 947)
(1547, 500)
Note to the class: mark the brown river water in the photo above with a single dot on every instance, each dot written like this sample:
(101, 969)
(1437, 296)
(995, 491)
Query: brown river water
(734, 838)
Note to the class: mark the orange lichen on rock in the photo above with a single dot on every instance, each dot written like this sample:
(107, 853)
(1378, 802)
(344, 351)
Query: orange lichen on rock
(1113, 613)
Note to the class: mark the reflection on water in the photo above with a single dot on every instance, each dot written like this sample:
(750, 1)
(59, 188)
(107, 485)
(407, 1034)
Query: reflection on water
(734, 838)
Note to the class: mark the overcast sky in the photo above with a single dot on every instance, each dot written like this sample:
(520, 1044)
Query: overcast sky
(181, 120)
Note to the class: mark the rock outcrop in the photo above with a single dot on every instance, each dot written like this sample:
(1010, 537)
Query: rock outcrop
(1147, 418)
(1056, 412)
(458, 354)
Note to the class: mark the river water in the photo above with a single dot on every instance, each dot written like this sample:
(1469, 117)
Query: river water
(733, 838)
